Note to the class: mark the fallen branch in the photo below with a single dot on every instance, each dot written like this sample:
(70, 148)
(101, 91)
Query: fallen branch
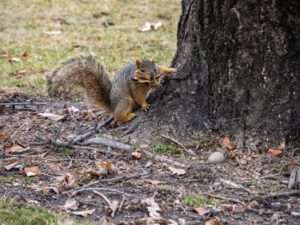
(101, 150)
(164, 159)
(86, 135)
(234, 200)
(98, 189)
(108, 142)
(112, 205)
(116, 179)
(179, 144)
(275, 195)
(236, 186)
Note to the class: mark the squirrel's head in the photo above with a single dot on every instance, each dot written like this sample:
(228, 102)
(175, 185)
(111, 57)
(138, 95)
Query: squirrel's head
(147, 72)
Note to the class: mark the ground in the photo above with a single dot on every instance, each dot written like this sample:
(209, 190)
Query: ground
(170, 177)
(139, 179)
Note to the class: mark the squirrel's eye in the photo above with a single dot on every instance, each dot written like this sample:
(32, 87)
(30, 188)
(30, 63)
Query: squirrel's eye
(143, 71)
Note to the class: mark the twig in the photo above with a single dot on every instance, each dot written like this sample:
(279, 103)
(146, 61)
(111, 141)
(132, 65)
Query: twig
(98, 189)
(179, 144)
(110, 204)
(122, 203)
(132, 126)
(108, 142)
(116, 179)
(237, 186)
(225, 198)
(101, 150)
(89, 133)
(164, 159)
(276, 195)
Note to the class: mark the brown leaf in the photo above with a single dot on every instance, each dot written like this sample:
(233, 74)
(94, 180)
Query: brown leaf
(226, 143)
(69, 180)
(275, 152)
(136, 155)
(3, 136)
(201, 211)
(24, 54)
(105, 165)
(32, 171)
(213, 222)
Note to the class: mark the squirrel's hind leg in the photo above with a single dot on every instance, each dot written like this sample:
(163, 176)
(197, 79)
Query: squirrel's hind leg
(123, 110)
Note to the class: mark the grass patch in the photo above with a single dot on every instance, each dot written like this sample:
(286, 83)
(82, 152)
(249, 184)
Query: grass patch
(53, 30)
(199, 201)
(165, 149)
(12, 213)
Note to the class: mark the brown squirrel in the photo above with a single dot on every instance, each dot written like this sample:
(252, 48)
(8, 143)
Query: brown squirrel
(128, 89)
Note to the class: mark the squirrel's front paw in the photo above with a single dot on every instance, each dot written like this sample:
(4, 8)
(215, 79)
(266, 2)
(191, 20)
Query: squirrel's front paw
(145, 106)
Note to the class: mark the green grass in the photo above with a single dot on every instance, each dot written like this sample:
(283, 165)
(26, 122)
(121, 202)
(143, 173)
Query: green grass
(25, 27)
(12, 213)
(199, 201)
(165, 149)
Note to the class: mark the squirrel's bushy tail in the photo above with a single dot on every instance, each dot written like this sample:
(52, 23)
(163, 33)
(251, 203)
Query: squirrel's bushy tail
(84, 72)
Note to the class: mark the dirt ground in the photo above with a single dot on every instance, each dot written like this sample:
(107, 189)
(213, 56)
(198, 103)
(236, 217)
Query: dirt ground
(136, 184)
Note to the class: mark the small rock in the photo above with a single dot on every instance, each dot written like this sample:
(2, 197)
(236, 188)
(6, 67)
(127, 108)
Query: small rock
(216, 157)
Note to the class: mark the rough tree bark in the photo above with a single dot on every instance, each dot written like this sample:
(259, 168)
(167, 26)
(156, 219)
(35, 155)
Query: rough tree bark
(238, 69)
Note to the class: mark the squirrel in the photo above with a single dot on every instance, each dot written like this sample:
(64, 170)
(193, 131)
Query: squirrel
(128, 90)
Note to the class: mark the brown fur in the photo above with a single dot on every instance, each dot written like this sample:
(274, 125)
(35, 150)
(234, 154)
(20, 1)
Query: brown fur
(128, 89)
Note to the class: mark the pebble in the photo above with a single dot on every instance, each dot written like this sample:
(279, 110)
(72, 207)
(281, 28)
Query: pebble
(216, 157)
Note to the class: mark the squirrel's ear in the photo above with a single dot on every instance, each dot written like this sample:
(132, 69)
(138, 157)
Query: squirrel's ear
(138, 63)
(152, 60)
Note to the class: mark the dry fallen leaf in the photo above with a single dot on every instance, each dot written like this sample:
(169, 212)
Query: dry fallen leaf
(14, 60)
(105, 165)
(177, 171)
(84, 213)
(3, 136)
(275, 152)
(71, 204)
(32, 171)
(212, 222)
(153, 208)
(67, 180)
(52, 116)
(136, 155)
(201, 211)
(148, 26)
(226, 143)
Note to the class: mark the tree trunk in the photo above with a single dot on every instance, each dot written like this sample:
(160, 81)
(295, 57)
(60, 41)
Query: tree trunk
(238, 67)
